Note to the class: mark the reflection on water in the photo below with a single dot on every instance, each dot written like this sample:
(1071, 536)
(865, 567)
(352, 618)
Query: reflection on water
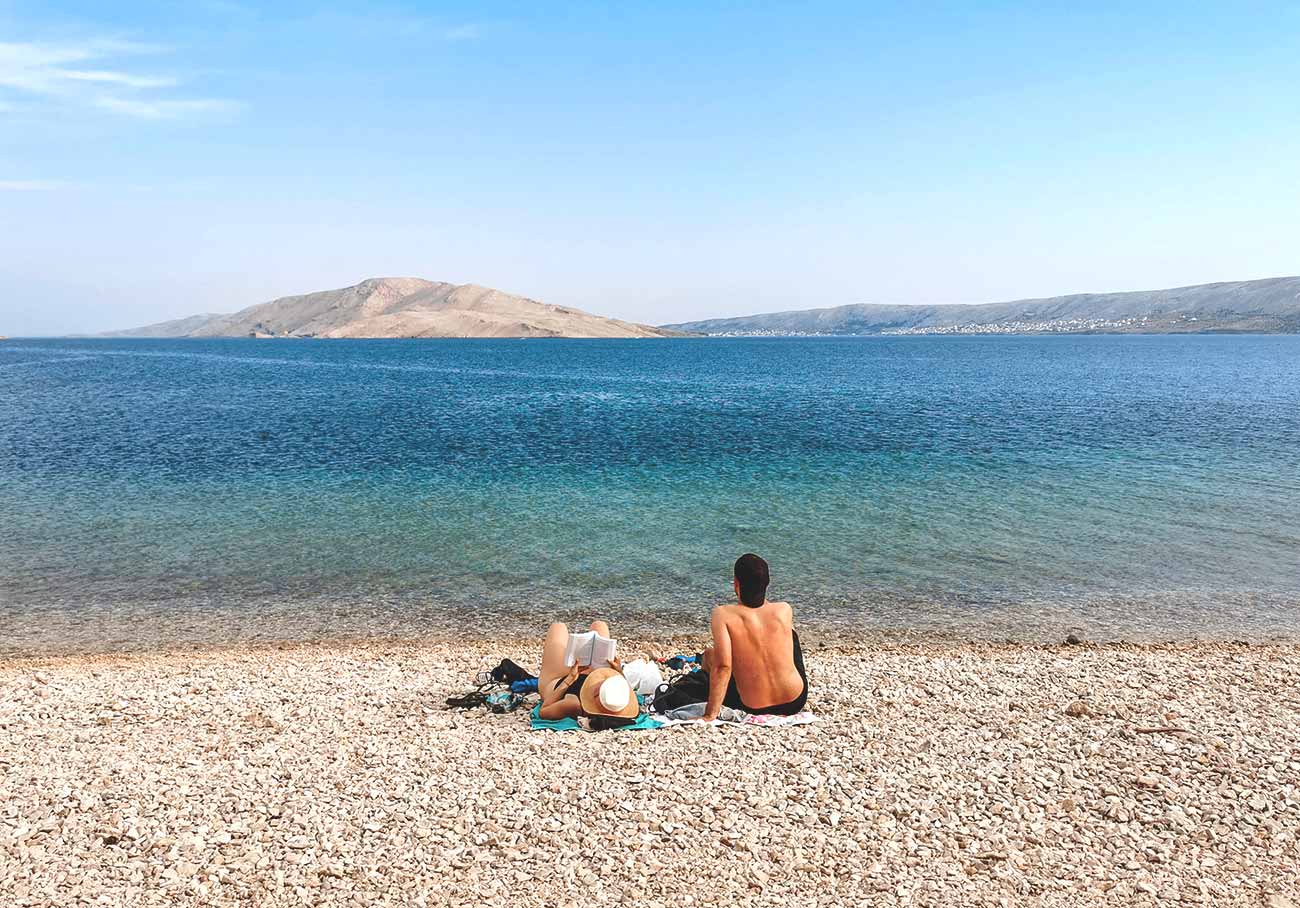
(204, 491)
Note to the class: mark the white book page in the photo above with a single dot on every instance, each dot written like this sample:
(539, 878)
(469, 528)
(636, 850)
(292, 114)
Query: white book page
(603, 651)
(578, 652)
(589, 648)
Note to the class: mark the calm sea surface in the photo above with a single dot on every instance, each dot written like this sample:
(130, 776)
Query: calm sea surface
(207, 491)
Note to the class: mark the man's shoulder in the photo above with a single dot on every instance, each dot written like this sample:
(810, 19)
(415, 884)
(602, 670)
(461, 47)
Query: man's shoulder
(729, 609)
(729, 612)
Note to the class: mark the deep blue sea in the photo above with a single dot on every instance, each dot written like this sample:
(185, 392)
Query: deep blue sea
(196, 491)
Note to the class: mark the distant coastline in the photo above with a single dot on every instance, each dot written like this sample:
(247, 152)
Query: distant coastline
(1016, 329)
(1268, 306)
(417, 308)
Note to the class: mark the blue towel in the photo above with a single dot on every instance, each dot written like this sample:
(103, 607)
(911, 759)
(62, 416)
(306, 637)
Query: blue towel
(540, 724)
(643, 722)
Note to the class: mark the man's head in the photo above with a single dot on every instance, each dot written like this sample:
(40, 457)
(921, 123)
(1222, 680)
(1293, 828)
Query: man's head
(751, 580)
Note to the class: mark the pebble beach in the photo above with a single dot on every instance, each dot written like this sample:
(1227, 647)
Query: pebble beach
(938, 773)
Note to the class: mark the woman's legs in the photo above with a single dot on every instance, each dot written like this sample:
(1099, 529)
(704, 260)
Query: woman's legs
(555, 704)
(557, 641)
(553, 667)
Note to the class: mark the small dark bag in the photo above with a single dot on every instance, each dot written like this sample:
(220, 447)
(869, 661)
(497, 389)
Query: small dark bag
(505, 673)
(689, 688)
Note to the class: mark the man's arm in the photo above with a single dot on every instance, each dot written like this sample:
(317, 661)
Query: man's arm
(719, 666)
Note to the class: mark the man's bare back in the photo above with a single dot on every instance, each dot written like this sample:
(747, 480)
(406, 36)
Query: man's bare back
(755, 662)
(762, 651)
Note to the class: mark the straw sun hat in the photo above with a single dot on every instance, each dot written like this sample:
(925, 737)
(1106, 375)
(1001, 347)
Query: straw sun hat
(607, 693)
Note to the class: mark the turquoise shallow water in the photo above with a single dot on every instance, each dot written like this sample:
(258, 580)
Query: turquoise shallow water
(206, 491)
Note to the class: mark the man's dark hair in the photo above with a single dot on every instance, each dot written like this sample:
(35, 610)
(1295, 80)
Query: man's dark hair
(751, 574)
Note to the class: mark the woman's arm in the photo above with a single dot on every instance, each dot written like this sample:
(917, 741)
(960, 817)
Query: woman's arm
(558, 690)
(563, 708)
(559, 704)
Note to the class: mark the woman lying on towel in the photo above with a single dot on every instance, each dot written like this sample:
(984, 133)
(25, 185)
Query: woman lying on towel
(570, 691)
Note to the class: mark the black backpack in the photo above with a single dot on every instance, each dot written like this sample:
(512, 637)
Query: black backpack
(689, 688)
(505, 673)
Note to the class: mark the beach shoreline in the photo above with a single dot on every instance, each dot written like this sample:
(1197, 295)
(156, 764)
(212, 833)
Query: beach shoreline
(676, 635)
(939, 771)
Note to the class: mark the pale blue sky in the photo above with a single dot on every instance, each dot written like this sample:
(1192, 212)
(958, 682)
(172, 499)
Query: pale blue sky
(652, 161)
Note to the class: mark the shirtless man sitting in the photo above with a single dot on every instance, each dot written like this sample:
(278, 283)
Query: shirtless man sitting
(755, 663)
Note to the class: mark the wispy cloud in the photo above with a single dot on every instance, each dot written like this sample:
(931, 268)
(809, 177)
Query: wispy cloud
(163, 109)
(77, 75)
(390, 24)
(31, 185)
(116, 78)
(467, 32)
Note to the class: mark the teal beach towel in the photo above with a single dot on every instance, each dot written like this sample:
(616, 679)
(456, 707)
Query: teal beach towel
(643, 722)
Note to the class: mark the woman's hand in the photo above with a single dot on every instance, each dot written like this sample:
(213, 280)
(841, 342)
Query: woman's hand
(616, 664)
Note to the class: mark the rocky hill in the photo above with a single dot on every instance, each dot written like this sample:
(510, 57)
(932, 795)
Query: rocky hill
(400, 307)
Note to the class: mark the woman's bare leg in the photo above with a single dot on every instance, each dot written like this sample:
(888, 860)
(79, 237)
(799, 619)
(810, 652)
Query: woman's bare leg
(600, 627)
(555, 703)
(553, 667)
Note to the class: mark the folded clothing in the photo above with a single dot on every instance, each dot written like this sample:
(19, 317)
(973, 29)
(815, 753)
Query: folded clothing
(691, 713)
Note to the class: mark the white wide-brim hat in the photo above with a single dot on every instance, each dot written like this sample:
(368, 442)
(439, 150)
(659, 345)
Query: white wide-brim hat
(607, 693)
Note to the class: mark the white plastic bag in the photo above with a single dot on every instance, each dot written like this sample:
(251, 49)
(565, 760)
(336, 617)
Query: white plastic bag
(644, 676)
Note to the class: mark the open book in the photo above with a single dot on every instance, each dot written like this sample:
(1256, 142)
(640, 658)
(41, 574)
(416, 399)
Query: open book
(590, 648)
